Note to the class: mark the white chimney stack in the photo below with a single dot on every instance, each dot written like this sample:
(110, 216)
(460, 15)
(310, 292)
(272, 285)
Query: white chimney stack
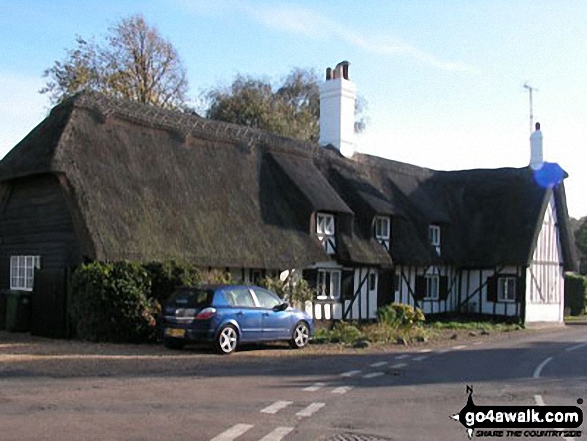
(536, 158)
(337, 110)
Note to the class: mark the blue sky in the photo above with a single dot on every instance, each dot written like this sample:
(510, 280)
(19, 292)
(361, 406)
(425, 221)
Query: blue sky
(443, 80)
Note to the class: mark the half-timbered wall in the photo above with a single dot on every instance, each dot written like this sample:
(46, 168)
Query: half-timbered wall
(409, 291)
(476, 287)
(545, 275)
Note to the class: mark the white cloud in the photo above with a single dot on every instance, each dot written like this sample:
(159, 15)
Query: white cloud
(21, 108)
(308, 23)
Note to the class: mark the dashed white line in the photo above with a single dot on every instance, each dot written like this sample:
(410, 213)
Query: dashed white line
(459, 347)
(233, 433)
(420, 358)
(341, 390)
(379, 364)
(314, 387)
(540, 367)
(574, 348)
(374, 375)
(277, 434)
(399, 365)
(350, 373)
(276, 407)
(424, 351)
(540, 402)
(401, 357)
(310, 410)
(443, 351)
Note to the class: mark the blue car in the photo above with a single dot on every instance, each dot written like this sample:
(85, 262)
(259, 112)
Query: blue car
(228, 315)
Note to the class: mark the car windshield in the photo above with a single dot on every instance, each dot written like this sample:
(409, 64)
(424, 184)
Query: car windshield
(191, 298)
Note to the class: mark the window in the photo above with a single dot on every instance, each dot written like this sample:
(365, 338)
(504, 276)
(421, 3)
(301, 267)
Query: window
(266, 299)
(372, 281)
(434, 235)
(432, 287)
(22, 271)
(382, 230)
(506, 289)
(328, 284)
(239, 297)
(382, 227)
(325, 224)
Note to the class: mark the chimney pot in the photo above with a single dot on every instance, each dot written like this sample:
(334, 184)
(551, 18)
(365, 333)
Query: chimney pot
(537, 126)
(328, 74)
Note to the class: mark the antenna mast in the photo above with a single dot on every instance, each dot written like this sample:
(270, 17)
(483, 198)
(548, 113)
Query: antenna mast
(530, 90)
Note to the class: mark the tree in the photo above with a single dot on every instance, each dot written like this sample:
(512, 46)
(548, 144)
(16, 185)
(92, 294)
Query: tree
(133, 62)
(291, 108)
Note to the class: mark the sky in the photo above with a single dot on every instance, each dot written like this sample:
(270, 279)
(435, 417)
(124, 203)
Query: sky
(444, 81)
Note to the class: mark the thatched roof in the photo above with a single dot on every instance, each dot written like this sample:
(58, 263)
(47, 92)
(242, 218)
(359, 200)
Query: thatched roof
(149, 183)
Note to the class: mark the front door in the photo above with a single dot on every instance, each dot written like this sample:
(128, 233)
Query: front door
(246, 313)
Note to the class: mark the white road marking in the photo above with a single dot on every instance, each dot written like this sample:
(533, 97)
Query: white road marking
(350, 373)
(421, 357)
(541, 366)
(314, 387)
(310, 410)
(399, 365)
(574, 348)
(276, 407)
(277, 434)
(341, 390)
(401, 357)
(540, 402)
(374, 374)
(477, 343)
(379, 364)
(459, 347)
(424, 351)
(443, 351)
(232, 433)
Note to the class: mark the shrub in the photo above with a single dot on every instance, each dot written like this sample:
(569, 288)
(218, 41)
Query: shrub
(345, 332)
(216, 277)
(576, 293)
(289, 290)
(401, 315)
(109, 303)
(167, 276)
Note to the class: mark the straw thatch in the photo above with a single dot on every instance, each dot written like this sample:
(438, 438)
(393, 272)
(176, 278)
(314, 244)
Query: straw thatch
(146, 183)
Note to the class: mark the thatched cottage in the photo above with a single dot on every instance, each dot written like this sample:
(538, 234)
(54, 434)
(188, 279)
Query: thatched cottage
(107, 179)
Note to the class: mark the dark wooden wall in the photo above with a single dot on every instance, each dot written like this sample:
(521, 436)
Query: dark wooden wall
(35, 221)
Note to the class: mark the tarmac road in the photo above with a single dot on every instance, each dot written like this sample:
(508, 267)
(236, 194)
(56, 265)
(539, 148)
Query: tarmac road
(194, 395)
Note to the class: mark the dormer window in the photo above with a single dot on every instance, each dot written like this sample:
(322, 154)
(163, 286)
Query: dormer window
(325, 230)
(382, 230)
(434, 237)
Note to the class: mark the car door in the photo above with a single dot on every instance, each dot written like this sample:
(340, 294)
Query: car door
(245, 312)
(276, 324)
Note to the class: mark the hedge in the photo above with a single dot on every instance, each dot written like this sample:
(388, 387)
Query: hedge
(575, 293)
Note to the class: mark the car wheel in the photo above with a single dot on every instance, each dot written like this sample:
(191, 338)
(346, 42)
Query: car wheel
(173, 343)
(226, 340)
(301, 335)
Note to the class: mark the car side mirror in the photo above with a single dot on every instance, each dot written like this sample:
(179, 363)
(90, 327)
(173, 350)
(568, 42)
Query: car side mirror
(280, 307)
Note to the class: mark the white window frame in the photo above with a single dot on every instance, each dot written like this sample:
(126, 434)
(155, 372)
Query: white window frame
(333, 290)
(503, 292)
(434, 235)
(382, 235)
(325, 224)
(432, 287)
(22, 272)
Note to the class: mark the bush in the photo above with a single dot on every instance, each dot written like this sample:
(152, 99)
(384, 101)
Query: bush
(576, 293)
(109, 303)
(399, 315)
(289, 290)
(167, 276)
(345, 332)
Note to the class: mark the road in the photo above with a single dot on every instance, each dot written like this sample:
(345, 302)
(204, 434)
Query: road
(405, 395)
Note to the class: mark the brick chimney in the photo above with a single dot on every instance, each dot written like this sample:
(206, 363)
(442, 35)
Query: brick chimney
(337, 110)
